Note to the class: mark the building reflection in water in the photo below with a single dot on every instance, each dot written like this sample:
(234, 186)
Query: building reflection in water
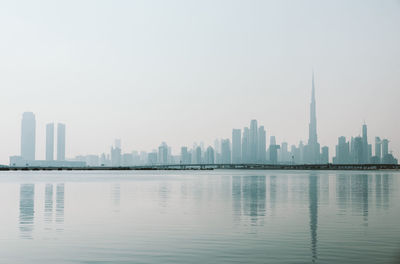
(237, 197)
(313, 208)
(359, 195)
(60, 204)
(385, 190)
(272, 192)
(116, 194)
(48, 203)
(248, 197)
(164, 193)
(378, 190)
(26, 210)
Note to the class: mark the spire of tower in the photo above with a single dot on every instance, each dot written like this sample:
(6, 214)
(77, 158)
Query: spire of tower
(313, 87)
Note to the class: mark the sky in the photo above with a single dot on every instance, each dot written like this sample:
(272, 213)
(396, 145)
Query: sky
(184, 71)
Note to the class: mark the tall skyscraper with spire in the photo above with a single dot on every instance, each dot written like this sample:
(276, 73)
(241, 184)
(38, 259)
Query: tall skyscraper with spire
(313, 147)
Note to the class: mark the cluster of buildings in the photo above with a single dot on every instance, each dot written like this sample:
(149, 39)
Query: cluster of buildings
(359, 151)
(28, 145)
(247, 145)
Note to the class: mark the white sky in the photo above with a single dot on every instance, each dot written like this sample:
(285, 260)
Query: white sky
(190, 71)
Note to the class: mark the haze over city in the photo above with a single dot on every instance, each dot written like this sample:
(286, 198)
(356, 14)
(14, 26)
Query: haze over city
(186, 71)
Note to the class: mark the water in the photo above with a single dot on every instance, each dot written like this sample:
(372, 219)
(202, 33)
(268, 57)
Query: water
(221, 216)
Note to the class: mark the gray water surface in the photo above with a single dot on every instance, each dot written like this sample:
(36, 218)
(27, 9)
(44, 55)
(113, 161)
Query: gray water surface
(221, 216)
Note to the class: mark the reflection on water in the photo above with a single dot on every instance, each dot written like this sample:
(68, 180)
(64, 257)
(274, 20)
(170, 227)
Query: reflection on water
(48, 203)
(248, 197)
(26, 210)
(313, 206)
(243, 217)
(60, 206)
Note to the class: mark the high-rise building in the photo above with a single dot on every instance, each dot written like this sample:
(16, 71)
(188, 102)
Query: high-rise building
(262, 145)
(60, 142)
(225, 151)
(198, 155)
(116, 154)
(253, 140)
(209, 156)
(342, 152)
(28, 136)
(236, 146)
(325, 155)
(163, 153)
(378, 148)
(385, 147)
(50, 142)
(365, 158)
(273, 151)
(284, 153)
(185, 158)
(312, 150)
(245, 145)
(358, 150)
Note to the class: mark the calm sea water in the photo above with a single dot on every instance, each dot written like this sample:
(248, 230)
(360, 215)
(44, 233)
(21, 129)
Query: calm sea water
(221, 216)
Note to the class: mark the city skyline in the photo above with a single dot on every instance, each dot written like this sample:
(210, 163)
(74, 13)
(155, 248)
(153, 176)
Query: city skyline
(242, 148)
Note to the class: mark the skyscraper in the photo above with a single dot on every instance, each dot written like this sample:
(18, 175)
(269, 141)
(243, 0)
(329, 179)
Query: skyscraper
(50, 142)
(273, 151)
(261, 145)
(236, 146)
(163, 153)
(253, 140)
(60, 142)
(385, 147)
(324, 155)
(245, 145)
(198, 154)
(313, 147)
(225, 151)
(209, 157)
(28, 136)
(185, 159)
(116, 153)
(378, 148)
(358, 150)
(365, 148)
(342, 152)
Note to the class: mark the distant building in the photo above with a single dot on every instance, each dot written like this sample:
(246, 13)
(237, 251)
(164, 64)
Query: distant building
(28, 136)
(385, 147)
(50, 141)
(236, 146)
(378, 149)
(365, 148)
(246, 146)
(358, 150)
(185, 157)
(225, 151)
(127, 159)
(261, 145)
(152, 158)
(312, 149)
(285, 156)
(60, 142)
(198, 155)
(253, 140)
(273, 151)
(209, 156)
(342, 152)
(163, 153)
(325, 155)
(116, 154)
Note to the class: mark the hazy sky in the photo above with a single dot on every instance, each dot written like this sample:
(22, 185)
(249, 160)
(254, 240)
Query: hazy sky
(190, 71)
